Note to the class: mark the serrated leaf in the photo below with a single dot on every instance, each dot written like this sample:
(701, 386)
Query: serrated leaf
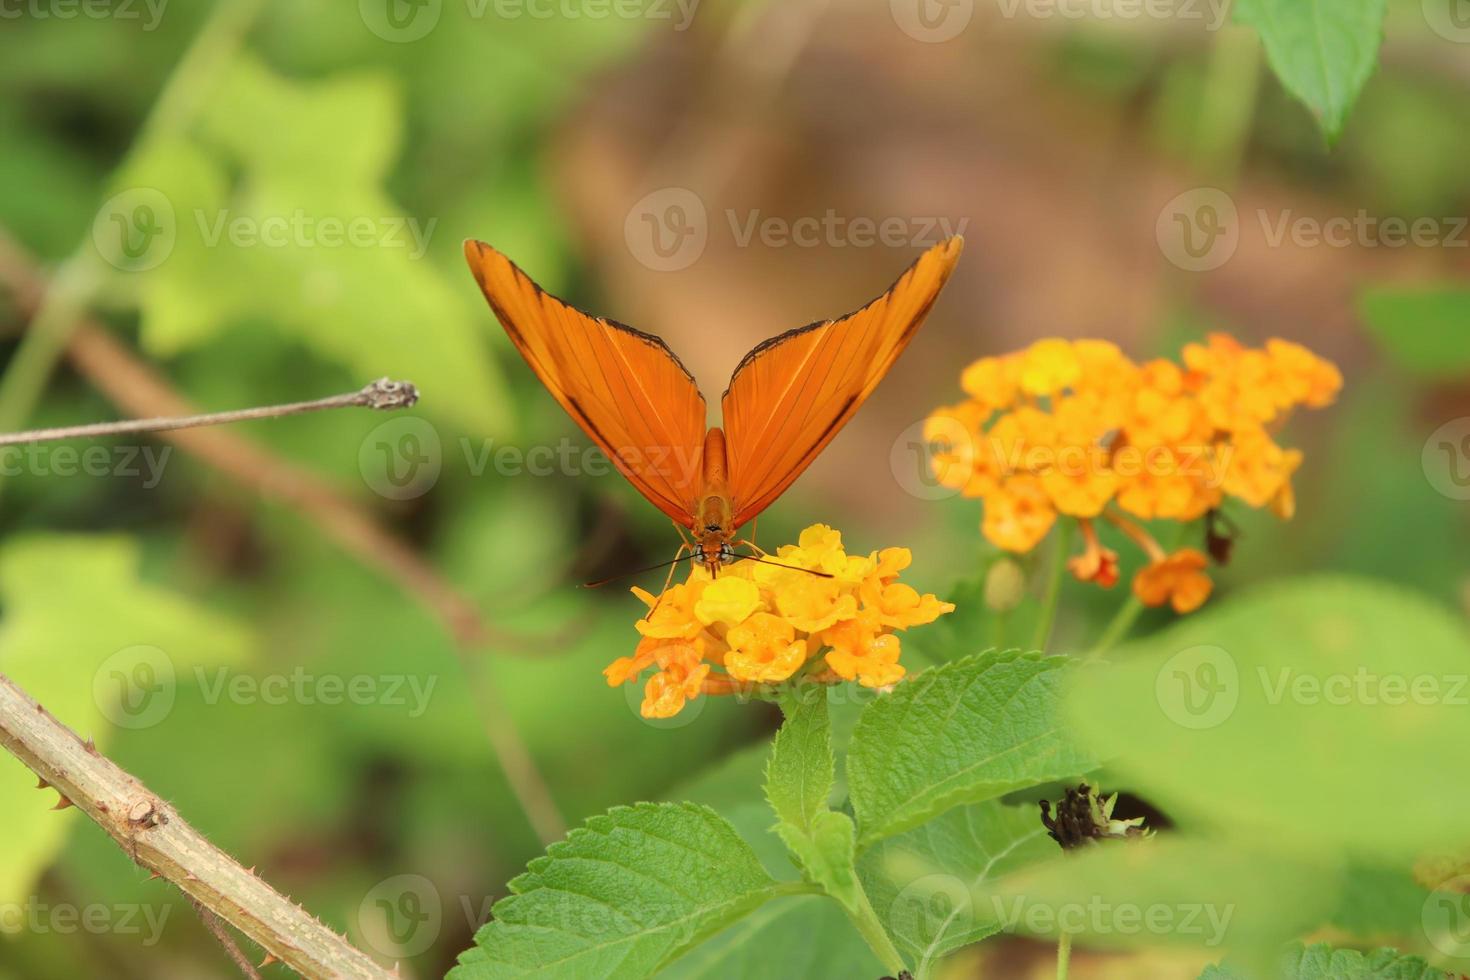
(621, 897)
(924, 883)
(965, 732)
(1426, 330)
(799, 782)
(1321, 962)
(1255, 714)
(826, 852)
(806, 937)
(73, 609)
(1322, 50)
(802, 769)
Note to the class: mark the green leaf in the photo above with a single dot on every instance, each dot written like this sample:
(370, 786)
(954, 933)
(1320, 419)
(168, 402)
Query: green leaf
(826, 852)
(799, 782)
(1322, 50)
(802, 769)
(279, 214)
(923, 883)
(1321, 962)
(97, 647)
(1380, 902)
(1262, 714)
(1176, 889)
(965, 732)
(1426, 330)
(804, 936)
(621, 897)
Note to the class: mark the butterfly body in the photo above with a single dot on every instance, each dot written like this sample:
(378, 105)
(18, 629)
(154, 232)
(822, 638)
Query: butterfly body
(787, 399)
(713, 511)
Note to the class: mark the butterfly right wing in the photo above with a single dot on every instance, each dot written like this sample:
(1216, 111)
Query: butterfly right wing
(625, 388)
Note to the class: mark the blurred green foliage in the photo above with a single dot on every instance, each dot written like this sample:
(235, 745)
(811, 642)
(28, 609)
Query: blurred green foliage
(310, 116)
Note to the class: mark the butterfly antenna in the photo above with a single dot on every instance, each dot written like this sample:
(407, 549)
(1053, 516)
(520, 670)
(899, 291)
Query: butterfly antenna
(637, 571)
(782, 564)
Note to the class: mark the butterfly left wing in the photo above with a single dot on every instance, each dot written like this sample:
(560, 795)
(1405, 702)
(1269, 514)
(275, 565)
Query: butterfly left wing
(625, 388)
(791, 395)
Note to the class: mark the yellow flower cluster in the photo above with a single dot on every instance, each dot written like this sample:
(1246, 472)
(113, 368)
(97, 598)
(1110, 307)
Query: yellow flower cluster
(762, 622)
(1076, 429)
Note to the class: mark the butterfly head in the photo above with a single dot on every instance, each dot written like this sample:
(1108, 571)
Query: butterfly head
(713, 549)
(713, 532)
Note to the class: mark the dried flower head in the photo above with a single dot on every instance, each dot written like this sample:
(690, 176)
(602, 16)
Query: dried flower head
(1084, 817)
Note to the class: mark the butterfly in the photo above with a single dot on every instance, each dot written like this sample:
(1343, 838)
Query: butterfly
(633, 397)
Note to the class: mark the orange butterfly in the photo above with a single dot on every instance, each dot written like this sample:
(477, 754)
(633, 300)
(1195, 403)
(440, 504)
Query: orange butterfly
(787, 398)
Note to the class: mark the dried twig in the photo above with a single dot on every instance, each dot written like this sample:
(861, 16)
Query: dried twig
(380, 394)
(136, 388)
(152, 833)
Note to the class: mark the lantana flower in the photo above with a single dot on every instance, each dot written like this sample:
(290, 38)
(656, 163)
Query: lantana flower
(767, 622)
(1074, 429)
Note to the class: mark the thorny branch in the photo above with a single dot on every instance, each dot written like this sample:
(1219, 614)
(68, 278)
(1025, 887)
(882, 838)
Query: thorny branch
(152, 833)
(137, 389)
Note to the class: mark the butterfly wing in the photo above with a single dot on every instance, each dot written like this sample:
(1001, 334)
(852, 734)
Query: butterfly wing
(791, 395)
(625, 388)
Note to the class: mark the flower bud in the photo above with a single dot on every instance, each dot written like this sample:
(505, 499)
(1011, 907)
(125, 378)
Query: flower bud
(1005, 584)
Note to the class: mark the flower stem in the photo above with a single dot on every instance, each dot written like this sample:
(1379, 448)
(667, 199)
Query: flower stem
(1042, 636)
(873, 933)
(1127, 613)
(1064, 955)
(1117, 627)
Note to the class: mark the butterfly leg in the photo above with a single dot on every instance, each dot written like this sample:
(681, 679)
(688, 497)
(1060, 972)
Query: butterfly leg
(669, 578)
(685, 546)
(752, 546)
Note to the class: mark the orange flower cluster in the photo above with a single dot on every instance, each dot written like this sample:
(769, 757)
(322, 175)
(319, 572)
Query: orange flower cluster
(761, 622)
(1075, 429)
